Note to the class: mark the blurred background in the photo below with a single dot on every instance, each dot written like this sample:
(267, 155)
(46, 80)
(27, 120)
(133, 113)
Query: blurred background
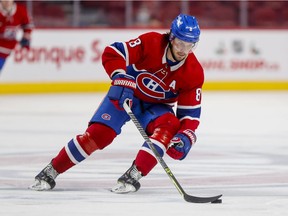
(243, 44)
(153, 13)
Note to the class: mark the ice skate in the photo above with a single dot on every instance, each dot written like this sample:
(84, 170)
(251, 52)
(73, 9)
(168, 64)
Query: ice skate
(45, 180)
(128, 182)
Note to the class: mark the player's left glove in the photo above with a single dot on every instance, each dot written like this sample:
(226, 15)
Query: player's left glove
(25, 43)
(181, 144)
(122, 89)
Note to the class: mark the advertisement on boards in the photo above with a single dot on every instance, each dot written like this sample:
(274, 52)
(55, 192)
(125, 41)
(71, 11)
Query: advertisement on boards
(74, 55)
(244, 54)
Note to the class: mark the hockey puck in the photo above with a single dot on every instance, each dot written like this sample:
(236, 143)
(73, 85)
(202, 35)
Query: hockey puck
(217, 201)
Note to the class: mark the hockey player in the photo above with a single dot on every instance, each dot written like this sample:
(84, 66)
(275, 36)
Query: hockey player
(13, 17)
(153, 71)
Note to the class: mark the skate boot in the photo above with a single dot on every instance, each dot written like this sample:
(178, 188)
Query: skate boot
(45, 180)
(129, 181)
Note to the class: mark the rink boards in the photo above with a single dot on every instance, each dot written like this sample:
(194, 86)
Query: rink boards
(69, 60)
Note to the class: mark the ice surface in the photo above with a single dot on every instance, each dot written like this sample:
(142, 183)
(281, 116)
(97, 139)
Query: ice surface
(241, 152)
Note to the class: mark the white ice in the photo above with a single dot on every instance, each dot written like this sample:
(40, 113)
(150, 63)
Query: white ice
(241, 152)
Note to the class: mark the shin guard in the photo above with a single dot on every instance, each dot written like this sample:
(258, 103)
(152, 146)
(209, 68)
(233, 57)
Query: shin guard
(163, 129)
(97, 136)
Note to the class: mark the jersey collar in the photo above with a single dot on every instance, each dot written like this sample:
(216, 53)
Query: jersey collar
(8, 13)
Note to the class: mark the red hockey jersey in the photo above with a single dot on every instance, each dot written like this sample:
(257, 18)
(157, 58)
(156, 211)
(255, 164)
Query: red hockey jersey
(159, 81)
(10, 24)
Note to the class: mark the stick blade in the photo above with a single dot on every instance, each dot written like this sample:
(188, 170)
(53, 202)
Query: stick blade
(194, 199)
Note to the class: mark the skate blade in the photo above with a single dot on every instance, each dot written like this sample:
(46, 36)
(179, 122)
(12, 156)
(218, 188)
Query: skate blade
(39, 186)
(121, 188)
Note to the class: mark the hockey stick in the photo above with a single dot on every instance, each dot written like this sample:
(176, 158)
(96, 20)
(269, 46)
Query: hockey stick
(188, 198)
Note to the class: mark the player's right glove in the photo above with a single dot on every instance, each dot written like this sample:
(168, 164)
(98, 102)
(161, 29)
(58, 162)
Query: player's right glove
(25, 43)
(122, 89)
(181, 144)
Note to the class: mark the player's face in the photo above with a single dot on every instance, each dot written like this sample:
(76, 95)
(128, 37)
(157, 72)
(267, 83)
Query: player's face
(181, 48)
(7, 4)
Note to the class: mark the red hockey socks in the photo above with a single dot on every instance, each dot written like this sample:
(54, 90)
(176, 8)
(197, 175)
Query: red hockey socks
(145, 162)
(73, 153)
(97, 136)
(62, 162)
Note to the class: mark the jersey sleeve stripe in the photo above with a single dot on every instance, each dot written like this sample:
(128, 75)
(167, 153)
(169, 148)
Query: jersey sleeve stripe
(122, 50)
(190, 118)
(127, 54)
(117, 71)
(118, 51)
(189, 113)
(188, 107)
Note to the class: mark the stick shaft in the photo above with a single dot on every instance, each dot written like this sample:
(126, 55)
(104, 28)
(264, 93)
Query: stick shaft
(187, 197)
(153, 149)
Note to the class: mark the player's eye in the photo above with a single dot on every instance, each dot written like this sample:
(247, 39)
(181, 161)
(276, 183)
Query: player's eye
(181, 45)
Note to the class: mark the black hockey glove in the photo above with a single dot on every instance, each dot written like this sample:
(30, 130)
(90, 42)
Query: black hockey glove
(25, 43)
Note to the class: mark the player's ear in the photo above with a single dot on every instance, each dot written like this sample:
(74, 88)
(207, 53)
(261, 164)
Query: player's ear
(171, 36)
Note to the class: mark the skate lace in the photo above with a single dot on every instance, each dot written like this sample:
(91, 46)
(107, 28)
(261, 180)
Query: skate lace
(135, 174)
(50, 171)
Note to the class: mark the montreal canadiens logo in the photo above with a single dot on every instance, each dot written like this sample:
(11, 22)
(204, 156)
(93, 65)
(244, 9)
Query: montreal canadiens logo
(152, 86)
(106, 116)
